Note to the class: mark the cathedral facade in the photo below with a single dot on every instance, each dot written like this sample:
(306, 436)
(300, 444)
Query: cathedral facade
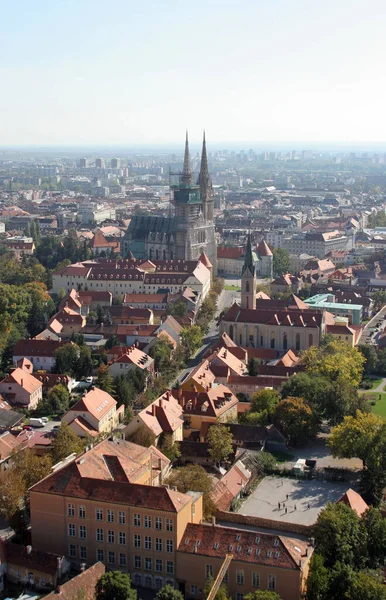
(186, 234)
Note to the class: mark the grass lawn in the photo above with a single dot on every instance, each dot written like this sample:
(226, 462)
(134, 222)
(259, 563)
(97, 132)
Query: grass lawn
(232, 288)
(380, 403)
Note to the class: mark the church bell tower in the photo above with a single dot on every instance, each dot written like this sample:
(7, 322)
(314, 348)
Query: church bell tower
(248, 279)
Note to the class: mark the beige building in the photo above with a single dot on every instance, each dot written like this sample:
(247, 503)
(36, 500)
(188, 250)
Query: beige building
(130, 276)
(261, 561)
(20, 388)
(91, 510)
(163, 416)
(131, 359)
(93, 414)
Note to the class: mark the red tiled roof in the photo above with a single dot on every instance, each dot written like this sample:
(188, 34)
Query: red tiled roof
(230, 252)
(27, 347)
(354, 501)
(84, 583)
(263, 249)
(246, 546)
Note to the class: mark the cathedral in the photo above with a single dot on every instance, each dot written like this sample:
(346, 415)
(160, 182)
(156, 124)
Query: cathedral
(186, 234)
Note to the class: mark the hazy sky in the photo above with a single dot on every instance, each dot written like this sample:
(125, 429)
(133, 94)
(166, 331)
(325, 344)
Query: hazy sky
(122, 72)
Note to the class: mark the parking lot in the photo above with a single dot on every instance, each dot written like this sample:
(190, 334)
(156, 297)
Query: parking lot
(303, 499)
(374, 327)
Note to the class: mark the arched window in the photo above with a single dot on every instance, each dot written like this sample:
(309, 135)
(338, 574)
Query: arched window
(150, 253)
(272, 339)
(164, 254)
(247, 286)
(156, 254)
(285, 341)
(231, 332)
(297, 344)
(241, 339)
(310, 340)
(171, 254)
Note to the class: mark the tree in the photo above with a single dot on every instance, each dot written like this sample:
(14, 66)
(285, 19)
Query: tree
(295, 419)
(196, 479)
(374, 532)
(115, 585)
(31, 468)
(222, 592)
(37, 318)
(12, 491)
(142, 436)
(58, 398)
(104, 380)
(161, 352)
(355, 436)
(335, 360)
(66, 359)
(252, 367)
(379, 299)
(191, 340)
(265, 399)
(318, 580)
(112, 341)
(219, 443)
(170, 448)
(85, 364)
(179, 308)
(262, 595)
(365, 586)
(168, 592)
(370, 356)
(65, 443)
(281, 261)
(337, 533)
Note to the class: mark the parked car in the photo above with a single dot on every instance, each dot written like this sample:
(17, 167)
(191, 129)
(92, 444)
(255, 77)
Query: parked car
(27, 428)
(44, 419)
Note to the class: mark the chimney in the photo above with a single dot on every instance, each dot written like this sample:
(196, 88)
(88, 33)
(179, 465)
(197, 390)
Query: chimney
(153, 409)
(306, 551)
(160, 464)
(214, 521)
(21, 382)
(178, 392)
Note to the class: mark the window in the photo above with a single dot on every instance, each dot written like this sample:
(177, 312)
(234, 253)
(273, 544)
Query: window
(137, 562)
(272, 582)
(208, 571)
(147, 542)
(111, 557)
(247, 286)
(255, 579)
(83, 552)
(148, 580)
(71, 510)
(239, 596)
(169, 525)
(137, 579)
(170, 567)
(158, 523)
(82, 512)
(82, 531)
(169, 545)
(71, 530)
(272, 340)
(99, 514)
(147, 522)
(100, 555)
(285, 341)
(158, 565)
(297, 343)
(110, 516)
(110, 537)
(122, 559)
(158, 583)
(137, 520)
(226, 577)
(72, 550)
(240, 577)
(231, 332)
(158, 544)
(121, 517)
(99, 535)
(193, 590)
(148, 565)
(137, 541)
(122, 538)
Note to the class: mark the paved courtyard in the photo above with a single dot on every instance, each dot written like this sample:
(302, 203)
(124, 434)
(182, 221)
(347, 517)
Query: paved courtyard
(305, 499)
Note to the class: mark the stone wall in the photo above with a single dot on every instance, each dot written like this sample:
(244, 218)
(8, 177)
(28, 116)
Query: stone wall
(238, 519)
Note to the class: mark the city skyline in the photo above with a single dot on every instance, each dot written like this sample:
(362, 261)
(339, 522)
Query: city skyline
(77, 74)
